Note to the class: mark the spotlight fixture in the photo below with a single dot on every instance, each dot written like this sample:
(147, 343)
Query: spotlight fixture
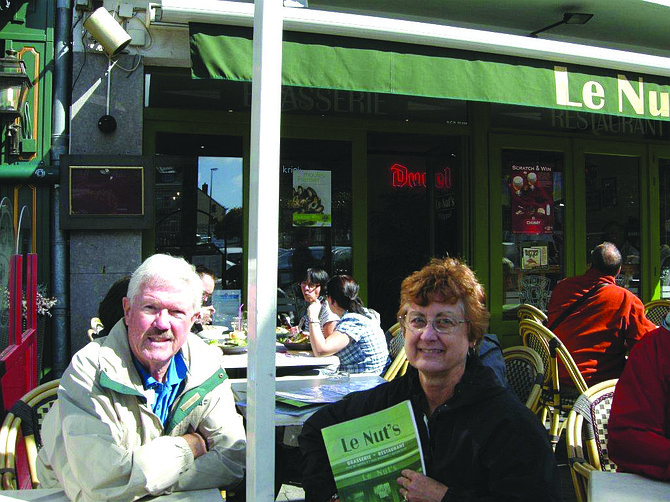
(568, 18)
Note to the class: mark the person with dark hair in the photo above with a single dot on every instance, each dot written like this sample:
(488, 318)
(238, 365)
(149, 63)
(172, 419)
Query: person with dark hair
(607, 321)
(110, 310)
(312, 286)
(208, 278)
(480, 442)
(358, 340)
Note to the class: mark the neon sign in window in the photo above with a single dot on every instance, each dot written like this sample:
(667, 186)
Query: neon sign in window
(402, 177)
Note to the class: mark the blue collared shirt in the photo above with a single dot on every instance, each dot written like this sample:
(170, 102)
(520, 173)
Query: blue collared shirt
(164, 393)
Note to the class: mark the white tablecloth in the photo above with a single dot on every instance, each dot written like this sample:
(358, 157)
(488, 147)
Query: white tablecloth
(625, 487)
(58, 495)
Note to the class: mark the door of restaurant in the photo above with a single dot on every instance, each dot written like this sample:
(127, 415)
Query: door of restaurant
(560, 197)
(612, 201)
(415, 201)
(531, 181)
(659, 236)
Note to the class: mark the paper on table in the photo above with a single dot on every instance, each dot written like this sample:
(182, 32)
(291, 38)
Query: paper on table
(329, 393)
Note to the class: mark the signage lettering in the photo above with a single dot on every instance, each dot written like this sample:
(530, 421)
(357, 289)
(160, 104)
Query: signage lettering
(629, 95)
(402, 177)
(605, 124)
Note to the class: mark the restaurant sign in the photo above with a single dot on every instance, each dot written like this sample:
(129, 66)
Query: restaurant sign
(331, 62)
(621, 95)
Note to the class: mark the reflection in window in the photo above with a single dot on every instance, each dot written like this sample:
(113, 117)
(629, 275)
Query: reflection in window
(664, 193)
(314, 211)
(533, 219)
(220, 215)
(613, 211)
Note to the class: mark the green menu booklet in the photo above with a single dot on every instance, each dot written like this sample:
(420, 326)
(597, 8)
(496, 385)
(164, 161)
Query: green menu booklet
(368, 453)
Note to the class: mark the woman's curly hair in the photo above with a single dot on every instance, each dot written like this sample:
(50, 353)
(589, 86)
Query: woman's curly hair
(447, 281)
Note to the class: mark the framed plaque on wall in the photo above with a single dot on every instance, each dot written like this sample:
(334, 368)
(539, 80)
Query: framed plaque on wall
(106, 192)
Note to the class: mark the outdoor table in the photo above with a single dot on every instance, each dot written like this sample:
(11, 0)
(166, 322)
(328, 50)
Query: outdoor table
(625, 487)
(58, 495)
(287, 363)
(293, 383)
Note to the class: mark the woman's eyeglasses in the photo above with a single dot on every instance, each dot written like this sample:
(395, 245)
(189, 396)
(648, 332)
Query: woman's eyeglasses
(206, 300)
(445, 325)
(309, 285)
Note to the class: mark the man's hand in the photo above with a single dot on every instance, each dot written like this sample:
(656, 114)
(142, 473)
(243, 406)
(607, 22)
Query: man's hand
(196, 442)
(419, 488)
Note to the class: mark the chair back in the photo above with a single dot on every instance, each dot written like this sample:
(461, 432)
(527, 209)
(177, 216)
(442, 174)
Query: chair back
(398, 366)
(586, 435)
(525, 374)
(96, 327)
(534, 290)
(395, 340)
(551, 349)
(528, 311)
(24, 421)
(553, 405)
(656, 310)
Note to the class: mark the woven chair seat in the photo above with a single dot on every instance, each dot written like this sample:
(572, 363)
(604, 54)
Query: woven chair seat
(587, 435)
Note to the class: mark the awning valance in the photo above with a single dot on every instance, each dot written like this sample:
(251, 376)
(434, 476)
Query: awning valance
(323, 61)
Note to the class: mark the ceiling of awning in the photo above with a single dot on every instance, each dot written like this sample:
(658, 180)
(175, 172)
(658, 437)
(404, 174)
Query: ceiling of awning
(321, 61)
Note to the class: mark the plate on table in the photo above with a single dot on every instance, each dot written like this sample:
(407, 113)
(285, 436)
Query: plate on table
(298, 346)
(210, 332)
(233, 349)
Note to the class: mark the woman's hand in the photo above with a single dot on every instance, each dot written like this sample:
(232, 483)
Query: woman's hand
(419, 488)
(313, 310)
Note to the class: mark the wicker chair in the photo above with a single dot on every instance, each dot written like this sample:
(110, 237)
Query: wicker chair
(398, 366)
(17, 458)
(587, 425)
(395, 340)
(528, 311)
(525, 374)
(96, 327)
(554, 405)
(656, 310)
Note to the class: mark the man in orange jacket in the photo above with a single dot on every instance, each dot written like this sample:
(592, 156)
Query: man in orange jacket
(608, 322)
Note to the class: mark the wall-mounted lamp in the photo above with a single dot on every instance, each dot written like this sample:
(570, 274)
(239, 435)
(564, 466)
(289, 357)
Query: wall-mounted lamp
(568, 18)
(14, 85)
(113, 39)
(107, 31)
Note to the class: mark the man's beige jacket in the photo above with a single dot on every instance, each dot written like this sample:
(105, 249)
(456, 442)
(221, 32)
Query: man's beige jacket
(102, 441)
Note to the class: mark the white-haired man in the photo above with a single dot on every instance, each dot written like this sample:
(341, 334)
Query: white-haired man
(147, 409)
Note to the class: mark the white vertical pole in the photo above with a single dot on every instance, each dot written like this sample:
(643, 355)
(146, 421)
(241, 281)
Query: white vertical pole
(263, 248)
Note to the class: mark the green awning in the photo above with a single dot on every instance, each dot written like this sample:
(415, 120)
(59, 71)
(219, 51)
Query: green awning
(323, 61)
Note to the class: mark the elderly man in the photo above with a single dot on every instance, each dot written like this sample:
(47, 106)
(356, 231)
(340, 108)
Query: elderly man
(147, 409)
(597, 320)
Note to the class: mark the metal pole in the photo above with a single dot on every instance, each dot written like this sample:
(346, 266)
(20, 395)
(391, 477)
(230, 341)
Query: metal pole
(263, 237)
(59, 146)
(211, 201)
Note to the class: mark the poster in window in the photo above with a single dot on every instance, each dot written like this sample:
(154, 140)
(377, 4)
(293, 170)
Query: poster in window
(311, 201)
(532, 201)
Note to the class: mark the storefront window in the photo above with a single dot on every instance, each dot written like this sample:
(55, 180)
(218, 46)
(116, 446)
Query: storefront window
(613, 211)
(664, 193)
(533, 226)
(314, 210)
(199, 202)
(415, 208)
